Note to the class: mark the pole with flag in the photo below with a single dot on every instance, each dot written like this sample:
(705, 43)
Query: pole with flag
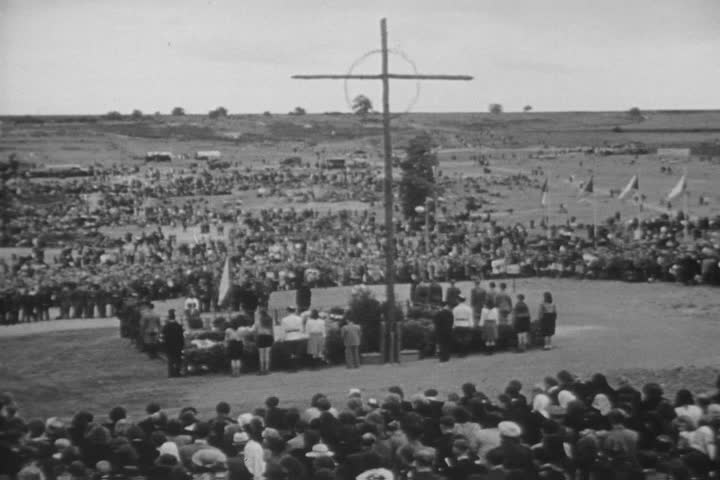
(589, 189)
(680, 188)
(545, 202)
(224, 288)
(633, 185)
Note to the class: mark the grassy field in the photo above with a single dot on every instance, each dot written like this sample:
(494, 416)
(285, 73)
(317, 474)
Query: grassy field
(648, 332)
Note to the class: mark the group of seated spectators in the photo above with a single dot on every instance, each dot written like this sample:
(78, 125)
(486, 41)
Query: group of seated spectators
(565, 428)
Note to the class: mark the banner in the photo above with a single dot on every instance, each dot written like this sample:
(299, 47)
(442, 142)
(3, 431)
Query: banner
(224, 288)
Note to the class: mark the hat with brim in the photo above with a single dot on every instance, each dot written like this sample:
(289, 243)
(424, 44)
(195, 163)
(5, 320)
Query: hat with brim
(209, 458)
(509, 429)
(240, 438)
(320, 450)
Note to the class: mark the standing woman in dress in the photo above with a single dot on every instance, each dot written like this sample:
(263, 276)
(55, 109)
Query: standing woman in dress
(265, 339)
(234, 348)
(489, 324)
(548, 318)
(315, 330)
(521, 322)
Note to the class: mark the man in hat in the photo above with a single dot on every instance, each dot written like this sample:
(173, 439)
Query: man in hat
(443, 320)
(292, 325)
(303, 296)
(150, 330)
(423, 459)
(478, 297)
(351, 335)
(462, 326)
(503, 303)
(174, 338)
(358, 462)
(515, 455)
(463, 462)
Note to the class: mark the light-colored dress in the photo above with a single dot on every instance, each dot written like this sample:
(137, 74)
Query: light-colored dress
(489, 324)
(315, 330)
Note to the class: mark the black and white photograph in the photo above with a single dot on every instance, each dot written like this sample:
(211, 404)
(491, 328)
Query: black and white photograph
(359, 240)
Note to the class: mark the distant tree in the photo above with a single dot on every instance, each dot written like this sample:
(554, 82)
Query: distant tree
(418, 180)
(158, 113)
(635, 114)
(298, 111)
(114, 115)
(178, 112)
(136, 114)
(218, 112)
(362, 105)
(267, 113)
(495, 108)
(527, 108)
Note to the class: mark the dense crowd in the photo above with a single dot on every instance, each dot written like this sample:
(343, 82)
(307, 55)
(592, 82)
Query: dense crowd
(166, 196)
(564, 428)
(276, 249)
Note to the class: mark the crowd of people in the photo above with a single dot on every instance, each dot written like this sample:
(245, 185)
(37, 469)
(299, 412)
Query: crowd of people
(563, 428)
(282, 248)
(279, 249)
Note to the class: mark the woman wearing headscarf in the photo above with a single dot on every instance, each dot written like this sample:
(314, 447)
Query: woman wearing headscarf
(547, 315)
(685, 405)
(537, 418)
(601, 407)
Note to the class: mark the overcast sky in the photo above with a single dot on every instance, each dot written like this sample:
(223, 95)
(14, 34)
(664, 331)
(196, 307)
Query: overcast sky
(93, 56)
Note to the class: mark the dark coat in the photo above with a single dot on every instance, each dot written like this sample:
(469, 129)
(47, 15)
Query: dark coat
(443, 326)
(174, 339)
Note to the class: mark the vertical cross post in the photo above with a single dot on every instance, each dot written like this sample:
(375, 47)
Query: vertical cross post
(385, 76)
(393, 354)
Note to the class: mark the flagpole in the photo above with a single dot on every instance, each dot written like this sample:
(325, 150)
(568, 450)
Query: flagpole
(594, 199)
(547, 208)
(685, 203)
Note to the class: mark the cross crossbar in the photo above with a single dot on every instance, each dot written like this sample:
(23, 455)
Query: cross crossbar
(392, 76)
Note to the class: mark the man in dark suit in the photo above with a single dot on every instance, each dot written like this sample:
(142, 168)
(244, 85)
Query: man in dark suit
(452, 294)
(174, 343)
(423, 465)
(443, 332)
(359, 462)
(462, 463)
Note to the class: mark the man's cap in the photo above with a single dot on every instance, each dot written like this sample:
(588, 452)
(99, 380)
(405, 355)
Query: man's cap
(431, 393)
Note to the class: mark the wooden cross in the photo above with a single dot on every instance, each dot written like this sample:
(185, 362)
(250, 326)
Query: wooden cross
(385, 76)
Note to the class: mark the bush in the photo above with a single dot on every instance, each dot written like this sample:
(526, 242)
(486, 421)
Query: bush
(419, 335)
(202, 360)
(195, 322)
(365, 310)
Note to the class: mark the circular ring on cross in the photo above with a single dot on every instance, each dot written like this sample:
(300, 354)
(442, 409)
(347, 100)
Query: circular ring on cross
(391, 51)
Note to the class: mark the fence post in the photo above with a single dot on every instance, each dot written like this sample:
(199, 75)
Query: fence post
(398, 341)
(383, 343)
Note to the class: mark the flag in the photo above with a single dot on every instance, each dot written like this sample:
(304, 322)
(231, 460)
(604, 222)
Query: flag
(544, 196)
(678, 189)
(224, 288)
(589, 187)
(633, 184)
